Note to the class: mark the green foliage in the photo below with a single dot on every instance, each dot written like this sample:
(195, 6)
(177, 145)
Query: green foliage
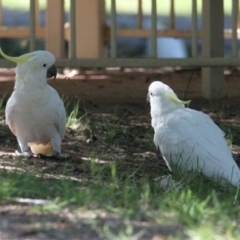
(2, 100)
(232, 134)
(126, 6)
(72, 108)
(199, 209)
(73, 120)
(18, 46)
(205, 209)
(111, 133)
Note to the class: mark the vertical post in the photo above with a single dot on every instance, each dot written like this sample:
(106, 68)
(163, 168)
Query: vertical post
(140, 15)
(154, 29)
(54, 27)
(194, 28)
(73, 29)
(37, 14)
(90, 18)
(32, 27)
(1, 12)
(235, 10)
(172, 15)
(113, 29)
(213, 84)
(238, 19)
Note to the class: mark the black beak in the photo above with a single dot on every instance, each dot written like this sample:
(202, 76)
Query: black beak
(52, 72)
(148, 97)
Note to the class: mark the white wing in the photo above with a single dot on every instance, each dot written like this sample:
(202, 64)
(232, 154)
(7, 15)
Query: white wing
(51, 112)
(191, 140)
(58, 109)
(33, 119)
(9, 112)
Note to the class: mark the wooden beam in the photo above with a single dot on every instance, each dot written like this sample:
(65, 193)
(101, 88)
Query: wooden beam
(140, 15)
(54, 27)
(1, 13)
(172, 15)
(146, 33)
(213, 84)
(113, 88)
(20, 32)
(32, 26)
(37, 11)
(90, 19)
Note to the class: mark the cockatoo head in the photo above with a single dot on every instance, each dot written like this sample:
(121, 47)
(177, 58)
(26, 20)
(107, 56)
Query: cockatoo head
(37, 65)
(162, 98)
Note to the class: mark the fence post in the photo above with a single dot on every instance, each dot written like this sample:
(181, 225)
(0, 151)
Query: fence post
(213, 84)
(54, 27)
(90, 18)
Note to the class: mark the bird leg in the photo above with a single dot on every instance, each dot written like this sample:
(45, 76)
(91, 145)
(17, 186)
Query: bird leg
(23, 154)
(167, 182)
(24, 149)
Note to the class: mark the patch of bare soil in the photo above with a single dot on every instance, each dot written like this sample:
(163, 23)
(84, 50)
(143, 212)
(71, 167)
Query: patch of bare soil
(112, 134)
(122, 134)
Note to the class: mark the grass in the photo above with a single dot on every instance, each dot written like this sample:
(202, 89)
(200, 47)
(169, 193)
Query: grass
(114, 133)
(2, 100)
(119, 202)
(73, 120)
(211, 211)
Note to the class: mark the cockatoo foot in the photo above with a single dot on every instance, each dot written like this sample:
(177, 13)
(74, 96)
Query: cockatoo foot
(52, 156)
(167, 182)
(23, 154)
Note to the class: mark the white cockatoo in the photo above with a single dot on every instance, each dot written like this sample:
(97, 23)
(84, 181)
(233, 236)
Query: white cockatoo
(34, 112)
(189, 139)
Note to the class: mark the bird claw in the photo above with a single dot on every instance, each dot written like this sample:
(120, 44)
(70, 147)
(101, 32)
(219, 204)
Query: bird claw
(167, 182)
(23, 154)
(54, 156)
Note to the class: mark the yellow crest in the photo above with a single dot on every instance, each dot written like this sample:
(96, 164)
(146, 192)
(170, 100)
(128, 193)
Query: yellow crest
(172, 97)
(21, 59)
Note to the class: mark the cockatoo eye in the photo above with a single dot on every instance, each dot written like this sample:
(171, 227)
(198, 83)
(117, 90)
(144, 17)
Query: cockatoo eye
(150, 94)
(44, 65)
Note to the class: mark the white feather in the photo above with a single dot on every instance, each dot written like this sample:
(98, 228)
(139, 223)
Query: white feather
(34, 112)
(190, 139)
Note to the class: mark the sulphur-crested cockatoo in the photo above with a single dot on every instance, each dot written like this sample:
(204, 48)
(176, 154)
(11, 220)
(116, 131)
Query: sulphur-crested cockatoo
(34, 112)
(189, 139)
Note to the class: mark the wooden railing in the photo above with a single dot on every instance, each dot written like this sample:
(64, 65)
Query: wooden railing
(87, 31)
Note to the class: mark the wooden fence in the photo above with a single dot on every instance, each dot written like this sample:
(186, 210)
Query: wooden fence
(87, 32)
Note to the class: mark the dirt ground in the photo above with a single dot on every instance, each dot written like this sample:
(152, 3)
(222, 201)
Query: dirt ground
(130, 145)
(122, 133)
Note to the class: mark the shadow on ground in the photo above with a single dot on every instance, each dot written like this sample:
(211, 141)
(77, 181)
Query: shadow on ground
(115, 134)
